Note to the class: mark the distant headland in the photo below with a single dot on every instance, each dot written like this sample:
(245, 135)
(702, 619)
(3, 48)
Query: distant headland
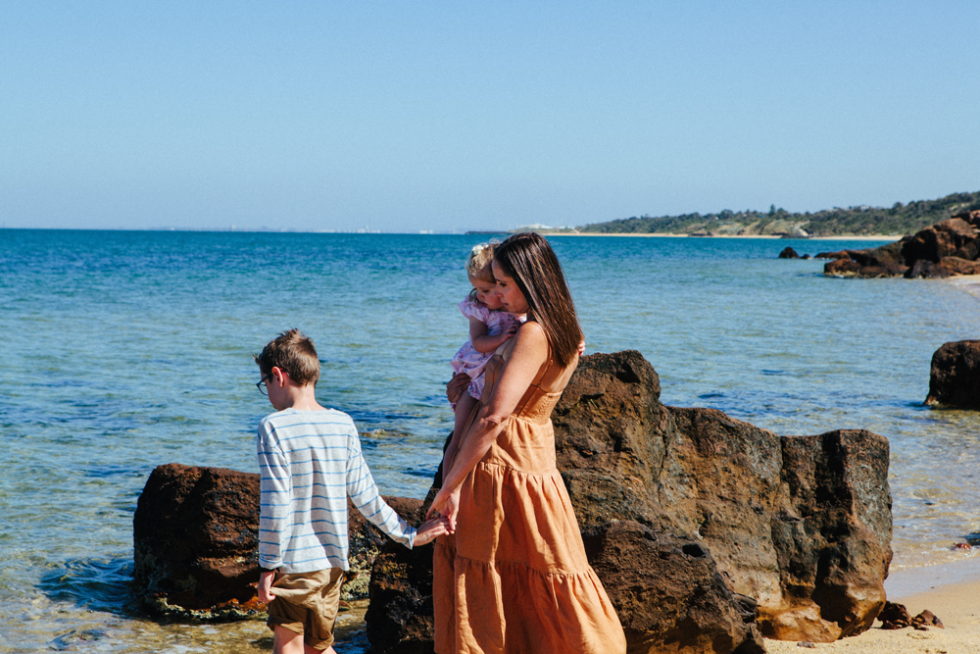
(861, 221)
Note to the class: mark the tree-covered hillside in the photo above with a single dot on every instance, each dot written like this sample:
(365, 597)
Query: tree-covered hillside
(860, 221)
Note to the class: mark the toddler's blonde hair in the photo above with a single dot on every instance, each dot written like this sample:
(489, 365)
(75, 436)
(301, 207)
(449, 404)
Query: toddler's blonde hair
(478, 262)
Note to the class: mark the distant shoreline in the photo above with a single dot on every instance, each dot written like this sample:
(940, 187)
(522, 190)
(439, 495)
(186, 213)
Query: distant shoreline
(882, 237)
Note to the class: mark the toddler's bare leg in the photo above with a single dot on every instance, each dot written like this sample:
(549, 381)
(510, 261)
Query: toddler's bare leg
(463, 408)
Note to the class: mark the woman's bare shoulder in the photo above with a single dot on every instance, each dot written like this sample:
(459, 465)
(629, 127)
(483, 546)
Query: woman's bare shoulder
(533, 332)
(531, 338)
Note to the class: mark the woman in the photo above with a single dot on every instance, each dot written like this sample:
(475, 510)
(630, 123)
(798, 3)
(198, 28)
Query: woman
(514, 577)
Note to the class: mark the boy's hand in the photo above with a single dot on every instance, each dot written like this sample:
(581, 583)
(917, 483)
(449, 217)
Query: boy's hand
(429, 530)
(457, 386)
(265, 587)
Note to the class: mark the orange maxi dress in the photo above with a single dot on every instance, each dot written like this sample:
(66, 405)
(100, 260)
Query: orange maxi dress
(514, 578)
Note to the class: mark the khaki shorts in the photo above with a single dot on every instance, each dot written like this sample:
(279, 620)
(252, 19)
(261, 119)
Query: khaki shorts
(307, 603)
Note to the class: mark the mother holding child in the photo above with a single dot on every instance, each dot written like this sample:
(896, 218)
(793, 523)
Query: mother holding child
(513, 577)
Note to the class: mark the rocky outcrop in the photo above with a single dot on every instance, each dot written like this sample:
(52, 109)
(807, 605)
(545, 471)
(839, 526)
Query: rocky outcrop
(951, 247)
(954, 379)
(789, 253)
(195, 542)
(799, 526)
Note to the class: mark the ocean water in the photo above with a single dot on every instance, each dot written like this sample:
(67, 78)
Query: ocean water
(127, 350)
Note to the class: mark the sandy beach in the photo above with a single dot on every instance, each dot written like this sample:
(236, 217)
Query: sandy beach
(950, 591)
(968, 283)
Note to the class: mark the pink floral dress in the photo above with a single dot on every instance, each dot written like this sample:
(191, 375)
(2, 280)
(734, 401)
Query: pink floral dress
(467, 359)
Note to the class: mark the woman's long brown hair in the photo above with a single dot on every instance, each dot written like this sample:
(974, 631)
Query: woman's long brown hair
(529, 259)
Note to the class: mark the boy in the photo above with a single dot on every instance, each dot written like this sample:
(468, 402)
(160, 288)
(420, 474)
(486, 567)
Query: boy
(310, 460)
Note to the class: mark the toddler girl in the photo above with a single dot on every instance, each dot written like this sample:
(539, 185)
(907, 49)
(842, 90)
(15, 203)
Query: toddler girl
(489, 328)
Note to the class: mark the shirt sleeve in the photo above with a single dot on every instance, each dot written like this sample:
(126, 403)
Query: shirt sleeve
(471, 309)
(275, 491)
(364, 494)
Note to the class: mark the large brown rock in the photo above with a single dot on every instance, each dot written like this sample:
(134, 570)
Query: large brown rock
(195, 542)
(972, 217)
(959, 266)
(925, 269)
(400, 615)
(367, 542)
(941, 240)
(668, 592)
(831, 532)
(883, 261)
(700, 473)
(954, 379)
(801, 525)
(841, 267)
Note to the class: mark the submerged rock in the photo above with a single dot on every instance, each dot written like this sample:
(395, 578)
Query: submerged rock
(954, 378)
(670, 501)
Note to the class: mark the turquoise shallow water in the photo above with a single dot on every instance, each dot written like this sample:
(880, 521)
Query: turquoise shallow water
(126, 350)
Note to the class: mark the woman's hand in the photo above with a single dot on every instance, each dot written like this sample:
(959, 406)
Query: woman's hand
(445, 505)
(457, 386)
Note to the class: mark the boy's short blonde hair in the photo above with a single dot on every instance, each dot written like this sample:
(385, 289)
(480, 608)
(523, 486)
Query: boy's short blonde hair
(293, 352)
(479, 260)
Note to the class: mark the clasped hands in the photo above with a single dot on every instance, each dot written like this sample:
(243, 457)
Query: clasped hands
(445, 506)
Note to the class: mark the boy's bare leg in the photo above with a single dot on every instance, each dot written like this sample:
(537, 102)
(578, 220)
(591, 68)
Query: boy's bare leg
(290, 642)
(463, 408)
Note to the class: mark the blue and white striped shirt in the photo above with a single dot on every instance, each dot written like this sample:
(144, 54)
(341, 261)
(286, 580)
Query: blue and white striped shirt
(310, 461)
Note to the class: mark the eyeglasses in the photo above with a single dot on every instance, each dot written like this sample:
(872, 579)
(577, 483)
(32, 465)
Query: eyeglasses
(262, 386)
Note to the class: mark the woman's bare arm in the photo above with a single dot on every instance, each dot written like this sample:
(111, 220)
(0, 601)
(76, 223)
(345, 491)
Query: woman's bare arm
(529, 354)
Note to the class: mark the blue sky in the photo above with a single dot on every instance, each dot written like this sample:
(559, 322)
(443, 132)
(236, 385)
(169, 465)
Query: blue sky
(455, 116)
